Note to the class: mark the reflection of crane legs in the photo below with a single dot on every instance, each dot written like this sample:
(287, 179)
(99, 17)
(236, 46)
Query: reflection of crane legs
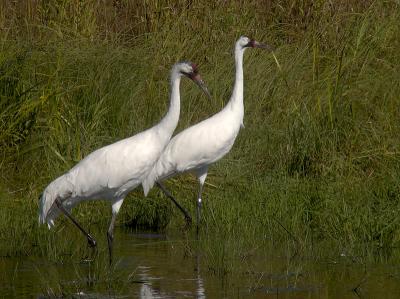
(200, 291)
(146, 292)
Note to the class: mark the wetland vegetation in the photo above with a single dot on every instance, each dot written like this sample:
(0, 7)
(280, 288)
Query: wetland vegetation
(320, 152)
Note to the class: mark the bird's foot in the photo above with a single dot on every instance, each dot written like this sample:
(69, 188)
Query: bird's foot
(91, 241)
(91, 256)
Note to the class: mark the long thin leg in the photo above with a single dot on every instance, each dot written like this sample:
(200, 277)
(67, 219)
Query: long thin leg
(201, 175)
(110, 233)
(169, 195)
(199, 208)
(110, 236)
(281, 225)
(91, 240)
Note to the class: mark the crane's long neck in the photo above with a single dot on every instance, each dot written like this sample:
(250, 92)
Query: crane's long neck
(170, 120)
(236, 102)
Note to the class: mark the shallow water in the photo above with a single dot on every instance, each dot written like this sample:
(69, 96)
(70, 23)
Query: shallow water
(149, 265)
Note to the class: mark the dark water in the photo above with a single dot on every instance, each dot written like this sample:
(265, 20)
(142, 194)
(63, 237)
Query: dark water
(159, 266)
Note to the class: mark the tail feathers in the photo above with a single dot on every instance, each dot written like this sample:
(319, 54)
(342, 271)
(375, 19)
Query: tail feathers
(47, 213)
(59, 188)
(42, 214)
(148, 182)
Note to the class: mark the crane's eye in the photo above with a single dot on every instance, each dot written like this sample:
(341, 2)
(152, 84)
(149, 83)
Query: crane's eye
(194, 68)
(250, 44)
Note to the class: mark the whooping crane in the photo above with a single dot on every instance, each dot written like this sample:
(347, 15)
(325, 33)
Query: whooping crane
(198, 146)
(111, 172)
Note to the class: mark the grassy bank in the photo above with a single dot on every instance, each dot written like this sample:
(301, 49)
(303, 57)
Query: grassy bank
(320, 151)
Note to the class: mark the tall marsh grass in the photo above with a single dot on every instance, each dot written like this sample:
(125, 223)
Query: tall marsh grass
(320, 149)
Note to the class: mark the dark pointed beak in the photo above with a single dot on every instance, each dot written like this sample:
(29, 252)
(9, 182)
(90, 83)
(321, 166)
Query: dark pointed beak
(262, 46)
(255, 44)
(197, 79)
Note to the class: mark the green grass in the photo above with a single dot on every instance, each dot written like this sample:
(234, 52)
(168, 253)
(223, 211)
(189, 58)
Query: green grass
(320, 150)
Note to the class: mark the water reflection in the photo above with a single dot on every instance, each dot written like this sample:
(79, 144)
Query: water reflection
(157, 266)
(149, 288)
(201, 293)
(167, 267)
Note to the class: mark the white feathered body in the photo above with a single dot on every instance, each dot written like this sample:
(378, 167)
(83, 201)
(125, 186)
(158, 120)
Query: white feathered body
(197, 146)
(206, 142)
(113, 171)
(108, 173)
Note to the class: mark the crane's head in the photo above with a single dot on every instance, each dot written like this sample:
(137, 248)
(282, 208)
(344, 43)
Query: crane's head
(190, 70)
(244, 42)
